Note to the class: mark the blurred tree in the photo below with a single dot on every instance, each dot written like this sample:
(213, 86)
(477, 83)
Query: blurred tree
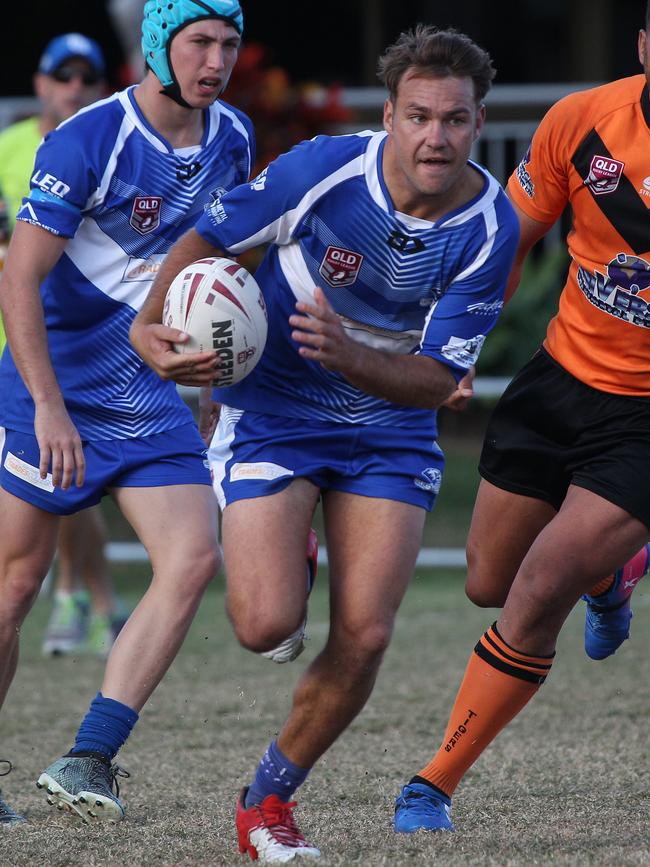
(283, 113)
(522, 326)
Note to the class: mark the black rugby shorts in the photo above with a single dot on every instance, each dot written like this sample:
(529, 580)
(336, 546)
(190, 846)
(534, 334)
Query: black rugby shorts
(549, 430)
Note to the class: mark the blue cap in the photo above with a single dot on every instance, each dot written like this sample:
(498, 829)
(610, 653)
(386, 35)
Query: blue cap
(62, 48)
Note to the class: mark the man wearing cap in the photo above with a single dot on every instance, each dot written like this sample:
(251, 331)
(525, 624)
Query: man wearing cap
(70, 76)
(112, 189)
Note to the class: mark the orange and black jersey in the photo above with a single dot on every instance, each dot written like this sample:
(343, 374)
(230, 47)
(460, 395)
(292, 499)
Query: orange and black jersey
(592, 151)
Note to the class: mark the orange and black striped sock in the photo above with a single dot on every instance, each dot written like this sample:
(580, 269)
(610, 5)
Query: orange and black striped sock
(498, 682)
(603, 586)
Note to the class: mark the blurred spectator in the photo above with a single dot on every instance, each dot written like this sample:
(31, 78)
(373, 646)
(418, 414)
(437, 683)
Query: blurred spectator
(70, 76)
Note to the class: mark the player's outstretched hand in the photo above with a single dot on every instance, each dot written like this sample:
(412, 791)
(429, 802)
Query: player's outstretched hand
(458, 400)
(60, 446)
(321, 335)
(154, 343)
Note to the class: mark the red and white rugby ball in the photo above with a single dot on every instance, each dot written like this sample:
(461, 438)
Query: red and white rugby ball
(219, 304)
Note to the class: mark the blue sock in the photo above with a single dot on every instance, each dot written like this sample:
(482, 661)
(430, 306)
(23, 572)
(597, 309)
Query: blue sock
(105, 727)
(275, 775)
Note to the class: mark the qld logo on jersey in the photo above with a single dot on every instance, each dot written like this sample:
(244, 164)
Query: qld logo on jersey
(340, 267)
(604, 175)
(620, 292)
(145, 215)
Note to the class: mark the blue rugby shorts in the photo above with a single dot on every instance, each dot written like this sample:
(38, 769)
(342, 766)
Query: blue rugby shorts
(173, 457)
(255, 455)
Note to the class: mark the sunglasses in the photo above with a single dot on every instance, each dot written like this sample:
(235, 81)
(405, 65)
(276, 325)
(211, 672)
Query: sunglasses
(65, 74)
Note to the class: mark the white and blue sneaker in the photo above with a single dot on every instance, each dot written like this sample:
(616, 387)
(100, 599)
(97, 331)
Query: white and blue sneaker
(85, 786)
(8, 816)
(608, 616)
(294, 645)
(420, 806)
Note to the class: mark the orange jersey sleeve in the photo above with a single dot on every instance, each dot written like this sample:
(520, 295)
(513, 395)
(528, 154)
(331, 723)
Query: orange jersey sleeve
(590, 152)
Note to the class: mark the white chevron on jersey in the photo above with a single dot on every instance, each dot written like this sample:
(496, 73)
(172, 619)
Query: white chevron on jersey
(399, 283)
(124, 197)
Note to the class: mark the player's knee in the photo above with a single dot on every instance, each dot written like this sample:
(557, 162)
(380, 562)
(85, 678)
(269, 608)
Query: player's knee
(366, 640)
(261, 633)
(199, 568)
(483, 595)
(480, 588)
(18, 590)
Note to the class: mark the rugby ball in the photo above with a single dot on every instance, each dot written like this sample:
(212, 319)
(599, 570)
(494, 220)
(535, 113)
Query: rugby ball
(219, 304)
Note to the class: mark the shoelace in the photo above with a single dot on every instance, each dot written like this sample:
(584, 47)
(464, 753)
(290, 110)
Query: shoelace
(430, 801)
(9, 769)
(117, 771)
(114, 771)
(278, 818)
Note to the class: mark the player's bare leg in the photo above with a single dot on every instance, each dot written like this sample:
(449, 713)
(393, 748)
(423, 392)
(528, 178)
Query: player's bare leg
(370, 569)
(27, 545)
(504, 526)
(513, 658)
(267, 592)
(83, 591)
(178, 527)
(566, 560)
(369, 572)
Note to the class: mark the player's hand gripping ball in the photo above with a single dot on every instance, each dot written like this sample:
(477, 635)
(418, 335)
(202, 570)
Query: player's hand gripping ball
(219, 304)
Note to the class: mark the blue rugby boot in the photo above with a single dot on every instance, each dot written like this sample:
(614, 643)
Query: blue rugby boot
(86, 786)
(608, 616)
(421, 806)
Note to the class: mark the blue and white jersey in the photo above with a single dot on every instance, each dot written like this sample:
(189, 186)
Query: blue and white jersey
(399, 283)
(110, 183)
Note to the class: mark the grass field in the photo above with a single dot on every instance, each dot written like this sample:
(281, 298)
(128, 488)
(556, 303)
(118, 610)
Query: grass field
(567, 784)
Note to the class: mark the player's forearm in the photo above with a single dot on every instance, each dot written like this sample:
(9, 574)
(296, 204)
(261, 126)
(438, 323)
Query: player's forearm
(22, 312)
(187, 249)
(408, 380)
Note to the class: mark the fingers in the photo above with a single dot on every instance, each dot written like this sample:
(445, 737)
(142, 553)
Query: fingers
(196, 368)
(67, 463)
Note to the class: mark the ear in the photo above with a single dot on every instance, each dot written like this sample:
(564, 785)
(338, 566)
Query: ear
(480, 121)
(38, 80)
(642, 47)
(388, 115)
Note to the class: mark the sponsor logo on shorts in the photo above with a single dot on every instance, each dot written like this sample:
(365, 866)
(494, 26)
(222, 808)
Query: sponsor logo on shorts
(604, 175)
(463, 351)
(22, 470)
(145, 214)
(644, 190)
(620, 291)
(340, 267)
(260, 470)
(430, 481)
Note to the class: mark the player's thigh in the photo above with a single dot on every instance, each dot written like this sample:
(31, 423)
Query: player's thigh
(264, 545)
(504, 526)
(586, 541)
(177, 524)
(372, 545)
(27, 540)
